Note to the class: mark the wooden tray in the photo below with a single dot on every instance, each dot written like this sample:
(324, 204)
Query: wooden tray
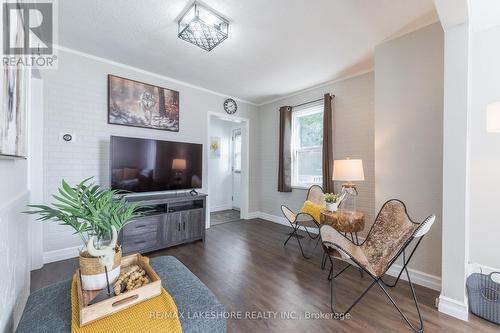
(91, 313)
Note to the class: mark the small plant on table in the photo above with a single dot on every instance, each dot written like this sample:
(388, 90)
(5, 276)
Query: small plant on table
(331, 200)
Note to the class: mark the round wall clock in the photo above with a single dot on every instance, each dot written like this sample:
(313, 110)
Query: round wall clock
(230, 106)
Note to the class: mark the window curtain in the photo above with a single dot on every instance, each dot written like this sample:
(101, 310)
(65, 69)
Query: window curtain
(328, 145)
(285, 150)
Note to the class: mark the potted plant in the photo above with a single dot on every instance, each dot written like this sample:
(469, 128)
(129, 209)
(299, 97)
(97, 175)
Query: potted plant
(331, 200)
(96, 215)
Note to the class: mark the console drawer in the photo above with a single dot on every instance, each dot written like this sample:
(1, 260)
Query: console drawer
(142, 235)
(146, 225)
(139, 243)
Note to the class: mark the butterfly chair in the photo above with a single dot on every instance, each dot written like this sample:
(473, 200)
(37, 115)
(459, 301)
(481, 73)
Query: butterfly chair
(316, 195)
(391, 234)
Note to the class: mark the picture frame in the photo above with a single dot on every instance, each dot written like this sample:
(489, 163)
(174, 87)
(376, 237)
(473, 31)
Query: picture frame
(138, 104)
(215, 147)
(13, 113)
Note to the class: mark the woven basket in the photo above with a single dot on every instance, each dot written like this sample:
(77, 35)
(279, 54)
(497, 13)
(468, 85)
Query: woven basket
(92, 266)
(484, 296)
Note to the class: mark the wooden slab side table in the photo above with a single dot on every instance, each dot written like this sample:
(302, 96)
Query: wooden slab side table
(345, 222)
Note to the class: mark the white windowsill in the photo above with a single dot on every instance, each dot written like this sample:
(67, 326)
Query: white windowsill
(299, 187)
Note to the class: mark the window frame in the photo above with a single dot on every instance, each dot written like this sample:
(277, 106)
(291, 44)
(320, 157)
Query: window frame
(306, 110)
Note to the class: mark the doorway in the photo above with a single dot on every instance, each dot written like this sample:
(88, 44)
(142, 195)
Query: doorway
(236, 167)
(227, 169)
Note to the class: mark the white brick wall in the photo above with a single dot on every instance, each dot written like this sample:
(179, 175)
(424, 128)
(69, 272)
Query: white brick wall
(75, 101)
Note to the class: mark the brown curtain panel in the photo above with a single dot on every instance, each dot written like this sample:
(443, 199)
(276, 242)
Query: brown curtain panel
(285, 153)
(328, 145)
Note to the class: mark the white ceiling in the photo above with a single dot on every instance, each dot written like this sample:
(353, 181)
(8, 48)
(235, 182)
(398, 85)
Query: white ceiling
(275, 47)
(452, 12)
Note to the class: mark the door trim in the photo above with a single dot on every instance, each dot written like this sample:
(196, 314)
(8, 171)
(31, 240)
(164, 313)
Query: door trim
(245, 162)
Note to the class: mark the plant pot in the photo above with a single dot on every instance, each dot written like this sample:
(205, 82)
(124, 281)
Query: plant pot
(331, 207)
(93, 273)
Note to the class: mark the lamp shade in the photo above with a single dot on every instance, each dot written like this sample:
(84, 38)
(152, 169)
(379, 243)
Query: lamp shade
(493, 117)
(179, 164)
(348, 170)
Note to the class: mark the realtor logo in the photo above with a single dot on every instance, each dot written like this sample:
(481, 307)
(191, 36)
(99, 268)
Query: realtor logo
(28, 34)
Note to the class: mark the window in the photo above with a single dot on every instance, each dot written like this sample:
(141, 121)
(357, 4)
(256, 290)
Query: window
(237, 150)
(307, 144)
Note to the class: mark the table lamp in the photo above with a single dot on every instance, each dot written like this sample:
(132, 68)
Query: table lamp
(348, 171)
(179, 165)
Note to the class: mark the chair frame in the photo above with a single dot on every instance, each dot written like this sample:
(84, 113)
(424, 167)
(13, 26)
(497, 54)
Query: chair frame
(379, 279)
(295, 224)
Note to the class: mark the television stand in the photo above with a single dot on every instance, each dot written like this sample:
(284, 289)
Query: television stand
(168, 220)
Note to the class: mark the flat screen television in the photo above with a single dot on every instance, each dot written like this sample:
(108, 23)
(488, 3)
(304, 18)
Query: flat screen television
(145, 165)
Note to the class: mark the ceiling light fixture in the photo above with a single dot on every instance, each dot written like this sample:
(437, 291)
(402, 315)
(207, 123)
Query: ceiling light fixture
(202, 27)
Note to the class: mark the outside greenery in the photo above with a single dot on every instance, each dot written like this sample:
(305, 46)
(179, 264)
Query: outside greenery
(311, 130)
(308, 133)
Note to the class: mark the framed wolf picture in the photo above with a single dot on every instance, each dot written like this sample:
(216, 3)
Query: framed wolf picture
(133, 103)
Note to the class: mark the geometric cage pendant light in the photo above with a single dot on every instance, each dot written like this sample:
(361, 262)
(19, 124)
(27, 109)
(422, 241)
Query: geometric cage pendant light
(202, 27)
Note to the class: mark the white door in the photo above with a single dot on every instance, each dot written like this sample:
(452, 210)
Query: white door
(236, 166)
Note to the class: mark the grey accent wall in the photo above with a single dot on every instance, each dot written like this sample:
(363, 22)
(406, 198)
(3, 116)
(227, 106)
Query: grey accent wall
(354, 137)
(409, 131)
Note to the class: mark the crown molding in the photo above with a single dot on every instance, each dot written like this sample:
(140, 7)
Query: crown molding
(318, 86)
(143, 71)
(186, 84)
(407, 32)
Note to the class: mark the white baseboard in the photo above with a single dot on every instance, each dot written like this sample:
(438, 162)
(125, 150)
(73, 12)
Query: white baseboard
(479, 268)
(281, 220)
(453, 308)
(274, 218)
(252, 215)
(218, 208)
(62, 254)
(418, 277)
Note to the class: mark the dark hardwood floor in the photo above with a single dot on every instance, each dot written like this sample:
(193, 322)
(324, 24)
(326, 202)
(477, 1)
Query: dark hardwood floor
(247, 267)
